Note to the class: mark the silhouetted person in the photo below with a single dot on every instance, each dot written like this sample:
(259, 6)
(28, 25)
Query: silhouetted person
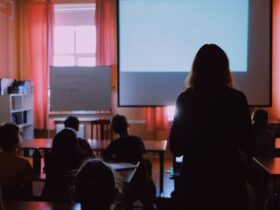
(95, 185)
(264, 147)
(263, 137)
(130, 149)
(126, 148)
(16, 172)
(74, 123)
(211, 124)
(62, 164)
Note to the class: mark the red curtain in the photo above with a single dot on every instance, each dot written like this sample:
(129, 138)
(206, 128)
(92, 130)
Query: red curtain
(106, 36)
(275, 109)
(157, 119)
(35, 29)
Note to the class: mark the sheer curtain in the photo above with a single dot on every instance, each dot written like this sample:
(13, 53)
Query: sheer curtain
(35, 18)
(106, 35)
(275, 109)
(157, 120)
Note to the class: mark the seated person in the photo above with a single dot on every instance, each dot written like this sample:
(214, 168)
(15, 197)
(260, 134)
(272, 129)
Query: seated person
(73, 123)
(263, 137)
(126, 148)
(130, 149)
(95, 185)
(264, 147)
(61, 166)
(16, 172)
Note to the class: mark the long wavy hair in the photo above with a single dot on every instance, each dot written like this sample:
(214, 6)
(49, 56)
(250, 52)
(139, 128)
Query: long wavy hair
(210, 68)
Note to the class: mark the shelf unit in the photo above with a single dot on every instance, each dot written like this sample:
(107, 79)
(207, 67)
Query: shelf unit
(18, 109)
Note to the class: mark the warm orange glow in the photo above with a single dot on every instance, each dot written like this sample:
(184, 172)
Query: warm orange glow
(275, 109)
(6, 7)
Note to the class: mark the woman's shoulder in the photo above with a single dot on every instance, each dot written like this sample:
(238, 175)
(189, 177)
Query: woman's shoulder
(235, 92)
(137, 138)
(237, 96)
(226, 92)
(187, 91)
(185, 94)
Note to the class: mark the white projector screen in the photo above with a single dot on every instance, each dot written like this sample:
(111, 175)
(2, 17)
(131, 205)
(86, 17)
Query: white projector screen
(158, 39)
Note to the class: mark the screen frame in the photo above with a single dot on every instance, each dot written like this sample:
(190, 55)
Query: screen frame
(269, 104)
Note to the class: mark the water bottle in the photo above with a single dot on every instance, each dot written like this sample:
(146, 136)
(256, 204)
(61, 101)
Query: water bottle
(36, 161)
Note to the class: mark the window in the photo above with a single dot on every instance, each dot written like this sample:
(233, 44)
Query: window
(74, 35)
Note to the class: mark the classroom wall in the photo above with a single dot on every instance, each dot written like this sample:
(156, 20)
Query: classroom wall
(7, 39)
(136, 116)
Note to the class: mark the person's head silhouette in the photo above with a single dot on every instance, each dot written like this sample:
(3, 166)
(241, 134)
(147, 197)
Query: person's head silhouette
(210, 68)
(65, 143)
(95, 185)
(260, 118)
(72, 122)
(9, 136)
(119, 124)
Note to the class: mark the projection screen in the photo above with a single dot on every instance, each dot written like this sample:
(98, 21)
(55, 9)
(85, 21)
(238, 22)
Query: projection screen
(158, 39)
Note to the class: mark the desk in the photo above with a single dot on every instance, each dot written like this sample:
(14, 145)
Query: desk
(158, 146)
(271, 166)
(39, 205)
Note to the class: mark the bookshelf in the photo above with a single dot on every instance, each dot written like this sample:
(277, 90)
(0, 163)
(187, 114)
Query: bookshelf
(18, 109)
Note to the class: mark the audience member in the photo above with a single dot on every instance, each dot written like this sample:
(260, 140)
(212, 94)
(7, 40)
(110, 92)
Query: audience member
(264, 147)
(126, 148)
(62, 164)
(16, 172)
(95, 185)
(74, 123)
(263, 137)
(211, 125)
(130, 149)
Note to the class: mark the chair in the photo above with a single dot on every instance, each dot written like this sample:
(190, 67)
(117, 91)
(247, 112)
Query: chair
(101, 129)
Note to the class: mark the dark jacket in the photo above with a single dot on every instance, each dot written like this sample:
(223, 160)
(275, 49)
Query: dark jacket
(211, 127)
(125, 149)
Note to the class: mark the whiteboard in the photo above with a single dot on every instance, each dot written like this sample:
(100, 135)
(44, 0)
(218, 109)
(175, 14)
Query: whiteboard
(78, 88)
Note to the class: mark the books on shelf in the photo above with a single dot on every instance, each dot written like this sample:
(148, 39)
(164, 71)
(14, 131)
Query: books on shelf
(9, 86)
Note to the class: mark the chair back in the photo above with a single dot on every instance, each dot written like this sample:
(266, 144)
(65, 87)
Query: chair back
(101, 129)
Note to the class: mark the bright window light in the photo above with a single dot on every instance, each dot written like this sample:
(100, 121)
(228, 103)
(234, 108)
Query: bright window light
(64, 37)
(74, 35)
(170, 112)
(87, 61)
(85, 39)
(61, 60)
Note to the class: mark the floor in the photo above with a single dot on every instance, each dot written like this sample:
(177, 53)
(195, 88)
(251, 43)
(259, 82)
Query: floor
(168, 186)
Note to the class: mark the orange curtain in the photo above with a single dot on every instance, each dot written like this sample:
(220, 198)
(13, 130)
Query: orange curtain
(35, 55)
(157, 119)
(106, 36)
(275, 109)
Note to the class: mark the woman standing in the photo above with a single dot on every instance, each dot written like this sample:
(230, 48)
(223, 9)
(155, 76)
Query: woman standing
(210, 129)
